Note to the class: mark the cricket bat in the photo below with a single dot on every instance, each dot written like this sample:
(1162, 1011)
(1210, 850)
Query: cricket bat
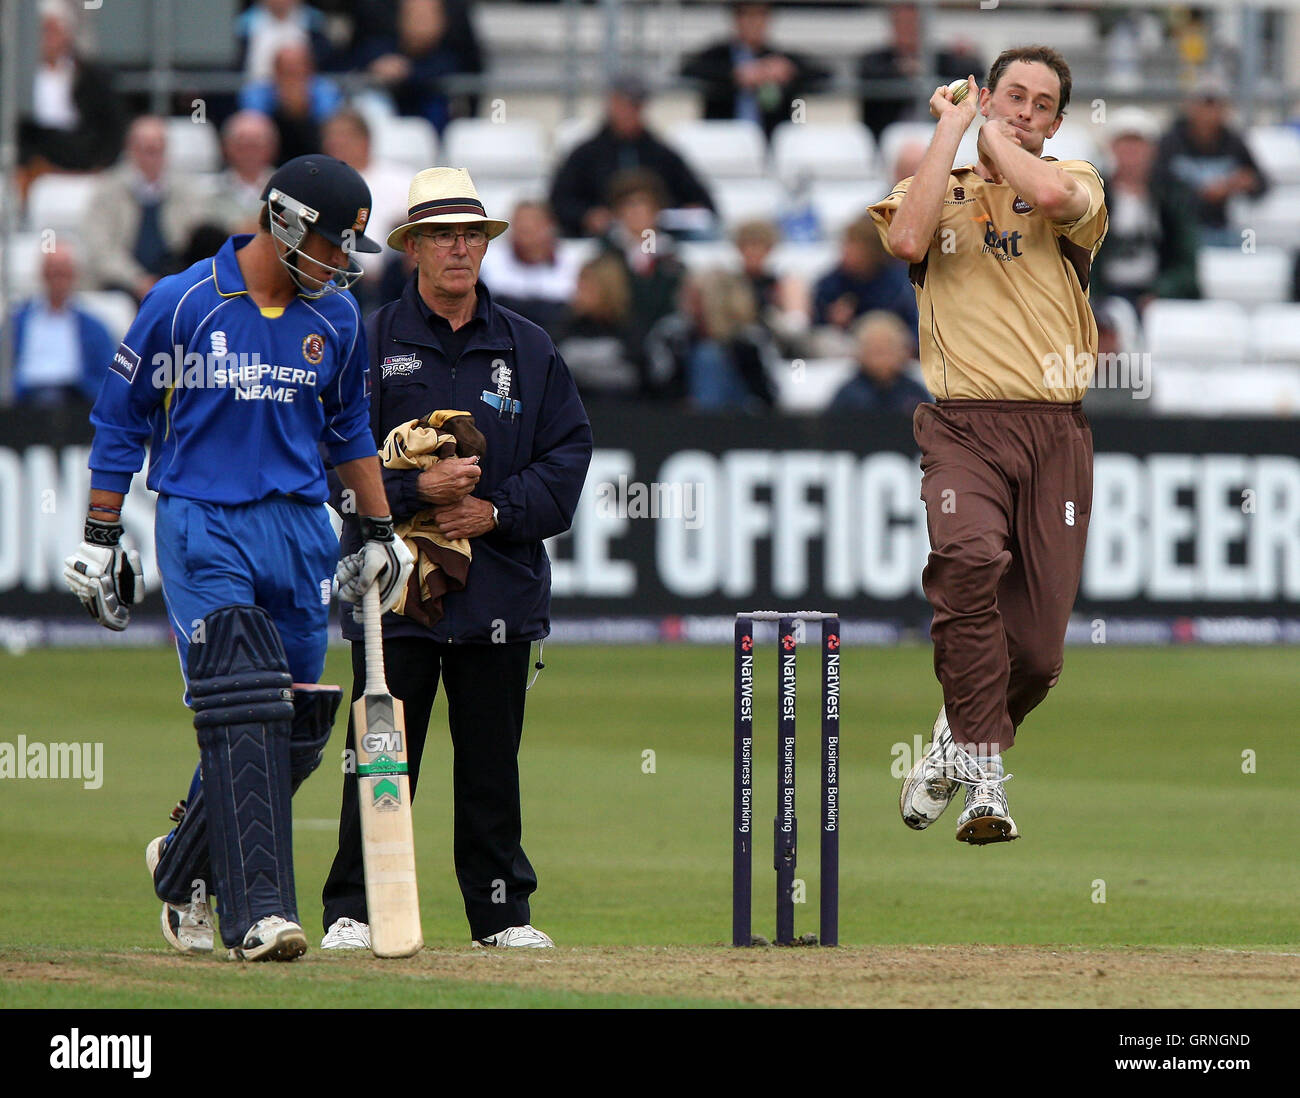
(384, 797)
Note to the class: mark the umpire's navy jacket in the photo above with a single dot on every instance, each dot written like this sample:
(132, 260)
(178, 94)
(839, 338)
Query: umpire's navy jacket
(513, 381)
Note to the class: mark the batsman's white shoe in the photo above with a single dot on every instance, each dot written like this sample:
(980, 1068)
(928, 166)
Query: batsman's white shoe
(517, 937)
(930, 785)
(986, 817)
(187, 927)
(271, 939)
(347, 934)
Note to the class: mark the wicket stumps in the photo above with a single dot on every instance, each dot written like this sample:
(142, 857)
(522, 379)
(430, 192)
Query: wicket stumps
(785, 828)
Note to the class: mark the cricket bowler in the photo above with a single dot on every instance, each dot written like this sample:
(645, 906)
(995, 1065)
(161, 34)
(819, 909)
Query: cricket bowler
(233, 373)
(1000, 253)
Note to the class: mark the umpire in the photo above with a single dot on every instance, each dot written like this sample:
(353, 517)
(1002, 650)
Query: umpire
(444, 344)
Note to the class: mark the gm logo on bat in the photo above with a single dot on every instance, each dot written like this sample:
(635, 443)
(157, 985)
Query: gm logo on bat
(375, 742)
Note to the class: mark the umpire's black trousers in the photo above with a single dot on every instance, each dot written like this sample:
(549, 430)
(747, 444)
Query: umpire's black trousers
(484, 685)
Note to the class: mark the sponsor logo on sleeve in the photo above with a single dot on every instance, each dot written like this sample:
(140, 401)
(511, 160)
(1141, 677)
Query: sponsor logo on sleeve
(1020, 206)
(125, 362)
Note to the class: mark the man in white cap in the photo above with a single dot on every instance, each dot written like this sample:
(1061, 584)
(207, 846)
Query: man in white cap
(444, 344)
(1151, 246)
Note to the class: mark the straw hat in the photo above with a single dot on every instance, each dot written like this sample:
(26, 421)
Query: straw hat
(444, 196)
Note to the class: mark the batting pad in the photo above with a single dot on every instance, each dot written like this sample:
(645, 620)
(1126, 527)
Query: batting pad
(242, 696)
(185, 858)
(314, 709)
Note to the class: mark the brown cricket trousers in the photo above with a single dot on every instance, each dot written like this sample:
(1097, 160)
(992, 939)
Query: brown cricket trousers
(1007, 487)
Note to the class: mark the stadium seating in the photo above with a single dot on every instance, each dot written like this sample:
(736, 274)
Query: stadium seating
(569, 133)
(57, 201)
(1276, 150)
(822, 151)
(895, 136)
(1075, 141)
(23, 256)
(1196, 331)
(1250, 278)
(500, 195)
(1183, 389)
(839, 202)
(112, 308)
(808, 385)
(721, 149)
(740, 200)
(192, 147)
(410, 142)
(1275, 333)
(806, 261)
(1273, 218)
(702, 255)
(500, 150)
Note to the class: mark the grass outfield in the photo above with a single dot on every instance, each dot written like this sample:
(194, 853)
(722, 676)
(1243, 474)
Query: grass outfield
(1129, 779)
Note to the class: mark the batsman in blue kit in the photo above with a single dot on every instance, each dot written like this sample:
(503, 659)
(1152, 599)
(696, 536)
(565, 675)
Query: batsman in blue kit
(233, 374)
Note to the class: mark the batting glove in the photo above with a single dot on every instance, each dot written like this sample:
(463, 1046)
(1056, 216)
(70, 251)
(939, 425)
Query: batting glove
(105, 577)
(383, 559)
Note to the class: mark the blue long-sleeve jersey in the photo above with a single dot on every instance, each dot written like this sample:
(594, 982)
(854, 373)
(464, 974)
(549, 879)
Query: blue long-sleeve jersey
(232, 399)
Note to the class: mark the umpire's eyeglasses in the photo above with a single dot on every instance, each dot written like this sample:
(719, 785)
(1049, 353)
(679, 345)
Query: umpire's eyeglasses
(446, 238)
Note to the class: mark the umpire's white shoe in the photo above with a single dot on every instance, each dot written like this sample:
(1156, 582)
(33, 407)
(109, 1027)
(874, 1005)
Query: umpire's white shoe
(346, 934)
(930, 785)
(187, 927)
(271, 939)
(525, 937)
(986, 817)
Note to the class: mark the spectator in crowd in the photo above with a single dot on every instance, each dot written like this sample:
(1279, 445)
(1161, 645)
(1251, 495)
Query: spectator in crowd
(346, 136)
(270, 25)
(527, 272)
(592, 340)
(375, 31)
(1204, 153)
(712, 352)
(884, 354)
(784, 301)
(75, 120)
(907, 159)
(647, 254)
(61, 352)
(249, 144)
(144, 215)
(902, 59)
(1150, 248)
(296, 99)
(411, 64)
(865, 278)
(579, 193)
(745, 77)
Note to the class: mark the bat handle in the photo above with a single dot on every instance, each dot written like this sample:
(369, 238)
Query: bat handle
(374, 634)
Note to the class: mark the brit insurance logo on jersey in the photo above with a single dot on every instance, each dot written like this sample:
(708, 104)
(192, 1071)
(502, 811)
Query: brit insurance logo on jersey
(243, 373)
(1004, 245)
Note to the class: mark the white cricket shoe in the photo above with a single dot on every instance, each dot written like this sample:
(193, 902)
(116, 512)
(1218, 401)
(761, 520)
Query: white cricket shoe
(932, 782)
(986, 817)
(525, 937)
(347, 934)
(187, 927)
(272, 938)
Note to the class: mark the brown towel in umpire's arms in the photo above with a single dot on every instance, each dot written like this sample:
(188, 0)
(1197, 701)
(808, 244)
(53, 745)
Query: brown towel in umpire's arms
(440, 565)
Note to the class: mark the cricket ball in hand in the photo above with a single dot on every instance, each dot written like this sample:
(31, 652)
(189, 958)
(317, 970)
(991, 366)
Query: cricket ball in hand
(959, 89)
